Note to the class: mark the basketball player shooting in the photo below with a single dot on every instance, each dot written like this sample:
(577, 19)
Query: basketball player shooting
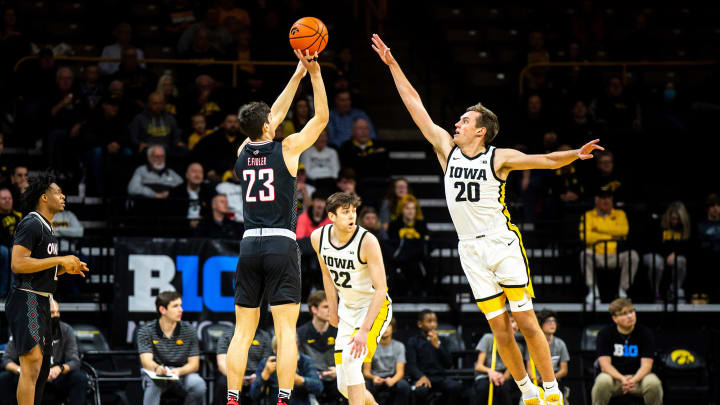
(269, 262)
(490, 246)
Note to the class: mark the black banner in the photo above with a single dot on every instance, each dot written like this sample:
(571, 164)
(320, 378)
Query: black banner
(202, 270)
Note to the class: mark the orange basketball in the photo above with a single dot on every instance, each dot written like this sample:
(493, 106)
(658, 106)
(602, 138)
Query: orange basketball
(308, 33)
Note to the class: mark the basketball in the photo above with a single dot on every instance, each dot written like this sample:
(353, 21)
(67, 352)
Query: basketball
(308, 33)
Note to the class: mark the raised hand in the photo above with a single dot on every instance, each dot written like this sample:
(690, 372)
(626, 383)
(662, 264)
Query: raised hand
(382, 50)
(308, 61)
(586, 151)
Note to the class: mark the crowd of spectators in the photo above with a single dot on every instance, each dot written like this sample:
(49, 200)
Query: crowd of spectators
(129, 130)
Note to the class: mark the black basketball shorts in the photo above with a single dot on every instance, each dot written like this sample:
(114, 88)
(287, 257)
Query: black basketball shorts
(29, 318)
(268, 265)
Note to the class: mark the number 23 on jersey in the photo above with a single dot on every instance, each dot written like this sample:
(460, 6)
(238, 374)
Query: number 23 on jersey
(266, 192)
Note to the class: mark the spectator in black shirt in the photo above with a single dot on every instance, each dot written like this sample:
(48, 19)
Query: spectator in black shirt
(217, 152)
(428, 358)
(107, 136)
(190, 200)
(316, 339)
(65, 375)
(605, 177)
(408, 236)
(155, 126)
(219, 225)
(18, 181)
(625, 354)
(168, 347)
(9, 218)
(581, 127)
(362, 153)
(138, 82)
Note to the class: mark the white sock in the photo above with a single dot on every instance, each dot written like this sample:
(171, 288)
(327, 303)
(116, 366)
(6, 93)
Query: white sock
(233, 394)
(550, 386)
(527, 388)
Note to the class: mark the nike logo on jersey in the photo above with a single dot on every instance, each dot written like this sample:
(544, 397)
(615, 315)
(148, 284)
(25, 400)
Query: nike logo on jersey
(351, 252)
(467, 173)
(455, 158)
(511, 242)
(326, 248)
(522, 305)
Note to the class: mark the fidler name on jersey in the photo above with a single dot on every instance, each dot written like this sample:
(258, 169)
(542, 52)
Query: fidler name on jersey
(334, 262)
(257, 161)
(466, 173)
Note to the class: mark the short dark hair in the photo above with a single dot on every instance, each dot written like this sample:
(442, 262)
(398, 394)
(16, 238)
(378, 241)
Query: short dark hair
(393, 323)
(344, 200)
(487, 120)
(37, 186)
(318, 195)
(546, 314)
(316, 298)
(252, 117)
(424, 313)
(347, 173)
(165, 298)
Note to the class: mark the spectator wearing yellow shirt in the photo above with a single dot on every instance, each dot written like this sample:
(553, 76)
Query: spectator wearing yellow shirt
(200, 130)
(605, 223)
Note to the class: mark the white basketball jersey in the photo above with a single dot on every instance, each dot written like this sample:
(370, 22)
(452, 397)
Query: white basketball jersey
(475, 195)
(350, 275)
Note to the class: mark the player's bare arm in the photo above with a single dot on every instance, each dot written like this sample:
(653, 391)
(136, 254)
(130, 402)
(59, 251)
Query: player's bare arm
(22, 263)
(297, 143)
(328, 285)
(439, 138)
(282, 104)
(371, 253)
(507, 160)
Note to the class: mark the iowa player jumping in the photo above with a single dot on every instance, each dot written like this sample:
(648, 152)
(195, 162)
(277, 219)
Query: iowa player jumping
(490, 246)
(36, 265)
(269, 262)
(352, 267)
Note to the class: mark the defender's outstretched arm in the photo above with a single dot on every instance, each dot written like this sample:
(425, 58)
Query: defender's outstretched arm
(438, 137)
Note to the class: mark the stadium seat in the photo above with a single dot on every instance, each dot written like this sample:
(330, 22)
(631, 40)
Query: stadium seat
(101, 364)
(685, 376)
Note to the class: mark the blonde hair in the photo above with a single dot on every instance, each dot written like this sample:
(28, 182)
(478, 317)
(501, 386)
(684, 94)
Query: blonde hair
(487, 120)
(408, 198)
(161, 82)
(683, 216)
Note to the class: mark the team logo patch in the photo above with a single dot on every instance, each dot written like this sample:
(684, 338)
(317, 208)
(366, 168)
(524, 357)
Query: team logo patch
(255, 343)
(156, 342)
(682, 357)
(331, 341)
(311, 341)
(256, 152)
(179, 342)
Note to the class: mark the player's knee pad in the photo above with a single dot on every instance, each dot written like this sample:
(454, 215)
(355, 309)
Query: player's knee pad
(525, 304)
(352, 368)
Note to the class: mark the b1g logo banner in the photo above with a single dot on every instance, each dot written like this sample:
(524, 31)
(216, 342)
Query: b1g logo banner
(202, 270)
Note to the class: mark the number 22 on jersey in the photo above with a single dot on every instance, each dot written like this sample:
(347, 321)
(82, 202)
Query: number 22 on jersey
(265, 193)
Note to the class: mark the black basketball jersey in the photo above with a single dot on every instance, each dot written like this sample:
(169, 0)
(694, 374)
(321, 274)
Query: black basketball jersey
(268, 187)
(35, 233)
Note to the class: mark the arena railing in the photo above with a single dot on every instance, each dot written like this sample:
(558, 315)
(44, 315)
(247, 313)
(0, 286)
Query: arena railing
(624, 67)
(234, 64)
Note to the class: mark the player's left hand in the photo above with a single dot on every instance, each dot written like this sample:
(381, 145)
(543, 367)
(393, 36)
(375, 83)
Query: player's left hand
(586, 151)
(308, 61)
(358, 344)
(81, 269)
